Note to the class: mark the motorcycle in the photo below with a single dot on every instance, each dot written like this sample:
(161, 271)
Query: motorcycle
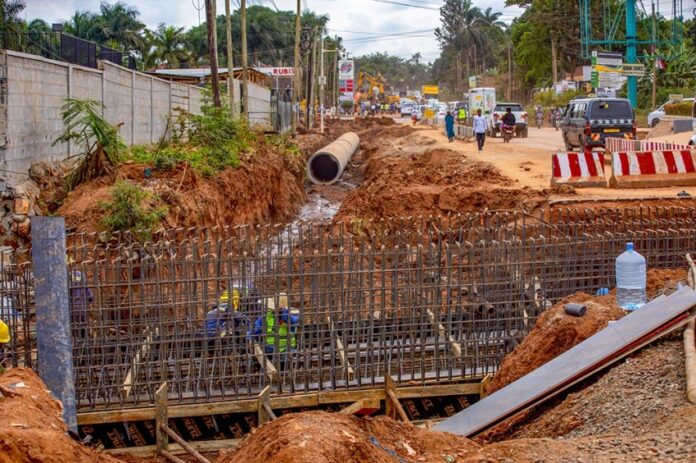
(539, 120)
(508, 132)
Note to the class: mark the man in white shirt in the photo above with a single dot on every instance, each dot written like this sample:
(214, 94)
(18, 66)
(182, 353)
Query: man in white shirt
(480, 126)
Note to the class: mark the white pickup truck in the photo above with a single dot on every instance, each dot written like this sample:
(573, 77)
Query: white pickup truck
(495, 119)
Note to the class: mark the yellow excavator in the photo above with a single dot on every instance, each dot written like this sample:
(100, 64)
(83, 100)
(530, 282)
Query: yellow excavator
(374, 87)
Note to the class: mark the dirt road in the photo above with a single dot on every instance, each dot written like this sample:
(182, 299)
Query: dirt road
(528, 162)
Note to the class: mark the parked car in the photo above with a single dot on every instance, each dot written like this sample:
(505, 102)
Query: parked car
(495, 119)
(656, 116)
(407, 108)
(587, 122)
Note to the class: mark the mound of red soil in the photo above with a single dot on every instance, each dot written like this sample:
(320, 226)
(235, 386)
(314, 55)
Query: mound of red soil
(437, 182)
(31, 428)
(267, 187)
(321, 437)
(555, 332)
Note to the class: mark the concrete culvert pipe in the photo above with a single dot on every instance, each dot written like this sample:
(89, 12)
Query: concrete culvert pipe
(326, 165)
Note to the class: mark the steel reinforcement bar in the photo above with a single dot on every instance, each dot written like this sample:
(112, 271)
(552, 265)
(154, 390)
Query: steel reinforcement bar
(418, 304)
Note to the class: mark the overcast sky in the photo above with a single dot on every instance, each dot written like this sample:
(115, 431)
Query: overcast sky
(364, 24)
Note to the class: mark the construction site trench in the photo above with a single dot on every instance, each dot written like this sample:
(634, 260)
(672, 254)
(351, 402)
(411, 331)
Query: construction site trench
(418, 277)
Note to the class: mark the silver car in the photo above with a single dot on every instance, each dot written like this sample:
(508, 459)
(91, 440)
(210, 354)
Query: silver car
(656, 116)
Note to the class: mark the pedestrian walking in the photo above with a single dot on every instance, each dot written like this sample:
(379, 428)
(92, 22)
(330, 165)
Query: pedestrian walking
(449, 126)
(480, 127)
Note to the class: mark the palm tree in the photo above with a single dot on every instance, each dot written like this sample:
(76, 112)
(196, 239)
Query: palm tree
(11, 26)
(119, 26)
(146, 50)
(82, 24)
(40, 39)
(169, 45)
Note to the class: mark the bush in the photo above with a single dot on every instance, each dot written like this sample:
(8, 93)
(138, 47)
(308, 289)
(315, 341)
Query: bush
(679, 109)
(99, 141)
(549, 98)
(132, 209)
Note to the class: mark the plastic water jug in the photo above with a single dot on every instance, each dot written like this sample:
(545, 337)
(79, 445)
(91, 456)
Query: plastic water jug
(630, 279)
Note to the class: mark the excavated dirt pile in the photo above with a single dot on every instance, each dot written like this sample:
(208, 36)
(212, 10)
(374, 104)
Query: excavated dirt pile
(31, 428)
(267, 187)
(321, 437)
(555, 332)
(407, 179)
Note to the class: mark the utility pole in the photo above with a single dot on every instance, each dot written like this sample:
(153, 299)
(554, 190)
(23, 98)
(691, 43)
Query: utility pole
(245, 64)
(212, 48)
(554, 58)
(321, 87)
(654, 59)
(311, 65)
(334, 81)
(298, 78)
(509, 87)
(631, 53)
(230, 61)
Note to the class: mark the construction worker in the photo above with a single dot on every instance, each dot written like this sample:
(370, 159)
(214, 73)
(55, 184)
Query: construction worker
(280, 324)
(225, 321)
(4, 340)
(461, 115)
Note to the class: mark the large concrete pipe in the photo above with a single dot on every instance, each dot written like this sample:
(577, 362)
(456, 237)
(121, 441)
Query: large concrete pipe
(326, 165)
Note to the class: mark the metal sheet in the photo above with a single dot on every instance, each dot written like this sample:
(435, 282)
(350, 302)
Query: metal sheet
(589, 356)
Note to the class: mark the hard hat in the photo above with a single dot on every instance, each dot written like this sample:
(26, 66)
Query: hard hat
(224, 297)
(282, 301)
(236, 298)
(4, 333)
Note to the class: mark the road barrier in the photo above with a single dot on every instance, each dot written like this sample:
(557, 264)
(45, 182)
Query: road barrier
(578, 169)
(616, 145)
(461, 132)
(653, 168)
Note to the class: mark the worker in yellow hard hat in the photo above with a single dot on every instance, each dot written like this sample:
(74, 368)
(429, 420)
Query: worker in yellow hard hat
(225, 319)
(4, 339)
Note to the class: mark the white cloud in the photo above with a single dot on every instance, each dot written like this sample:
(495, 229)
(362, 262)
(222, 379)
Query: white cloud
(363, 24)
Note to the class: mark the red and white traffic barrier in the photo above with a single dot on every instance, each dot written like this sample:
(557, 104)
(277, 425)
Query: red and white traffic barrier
(578, 169)
(653, 168)
(618, 145)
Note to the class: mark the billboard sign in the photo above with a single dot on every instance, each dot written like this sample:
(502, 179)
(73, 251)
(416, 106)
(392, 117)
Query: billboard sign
(283, 72)
(346, 69)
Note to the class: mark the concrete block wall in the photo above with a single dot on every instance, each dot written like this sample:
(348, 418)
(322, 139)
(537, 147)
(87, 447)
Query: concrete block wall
(34, 90)
(259, 104)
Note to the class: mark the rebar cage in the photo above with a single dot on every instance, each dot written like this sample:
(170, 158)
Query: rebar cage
(222, 313)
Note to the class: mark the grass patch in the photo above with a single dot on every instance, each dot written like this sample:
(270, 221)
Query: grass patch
(132, 209)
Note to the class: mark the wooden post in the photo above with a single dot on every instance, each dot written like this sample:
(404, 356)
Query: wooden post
(133, 370)
(362, 407)
(456, 347)
(392, 404)
(484, 385)
(345, 363)
(265, 412)
(161, 419)
(271, 371)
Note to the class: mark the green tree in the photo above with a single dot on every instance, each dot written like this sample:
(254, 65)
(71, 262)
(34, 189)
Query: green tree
(169, 45)
(82, 24)
(118, 26)
(11, 25)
